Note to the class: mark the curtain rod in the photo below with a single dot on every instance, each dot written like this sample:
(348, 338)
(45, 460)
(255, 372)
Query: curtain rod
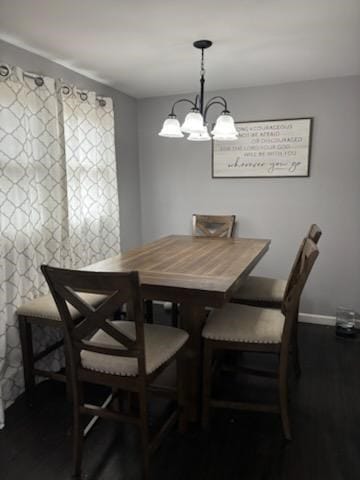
(39, 81)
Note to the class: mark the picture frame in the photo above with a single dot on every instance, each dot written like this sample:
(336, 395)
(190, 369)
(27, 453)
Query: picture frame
(277, 148)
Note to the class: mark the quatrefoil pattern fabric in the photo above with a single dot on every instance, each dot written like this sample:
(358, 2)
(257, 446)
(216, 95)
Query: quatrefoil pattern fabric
(58, 201)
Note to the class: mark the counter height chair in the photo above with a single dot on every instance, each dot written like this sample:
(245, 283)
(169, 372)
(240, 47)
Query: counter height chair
(42, 311)
(252, 329)
(213, 225)
(124, 355)
(269, 292)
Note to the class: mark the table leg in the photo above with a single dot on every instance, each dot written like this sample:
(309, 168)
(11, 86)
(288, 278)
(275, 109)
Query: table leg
(192, 318)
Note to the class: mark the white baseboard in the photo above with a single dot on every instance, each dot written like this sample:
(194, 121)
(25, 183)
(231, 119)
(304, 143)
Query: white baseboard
(303, 317)
(317, 319)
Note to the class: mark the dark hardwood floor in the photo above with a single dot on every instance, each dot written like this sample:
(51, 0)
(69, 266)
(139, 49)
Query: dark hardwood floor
(325, 412)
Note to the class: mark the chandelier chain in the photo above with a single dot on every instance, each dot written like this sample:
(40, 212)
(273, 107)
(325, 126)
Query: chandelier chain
(202, 69)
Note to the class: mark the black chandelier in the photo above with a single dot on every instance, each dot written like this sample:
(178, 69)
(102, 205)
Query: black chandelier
(195, 123)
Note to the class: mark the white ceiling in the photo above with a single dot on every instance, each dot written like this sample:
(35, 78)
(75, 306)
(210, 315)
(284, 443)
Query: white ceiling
(144, 47)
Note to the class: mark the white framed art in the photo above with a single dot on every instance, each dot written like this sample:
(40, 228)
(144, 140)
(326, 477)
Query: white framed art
(267, 148)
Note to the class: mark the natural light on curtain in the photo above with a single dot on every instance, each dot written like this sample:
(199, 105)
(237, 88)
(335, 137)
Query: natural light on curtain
(58, 199)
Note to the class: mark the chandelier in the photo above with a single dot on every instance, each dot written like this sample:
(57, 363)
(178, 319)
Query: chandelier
(196, 123)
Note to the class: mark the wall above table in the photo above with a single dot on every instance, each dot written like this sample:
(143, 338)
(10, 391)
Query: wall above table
(176, 181)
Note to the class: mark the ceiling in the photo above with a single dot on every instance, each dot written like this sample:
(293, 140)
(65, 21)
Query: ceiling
(144, 47)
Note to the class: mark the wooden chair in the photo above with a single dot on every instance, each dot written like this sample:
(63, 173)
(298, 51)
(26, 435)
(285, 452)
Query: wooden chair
(124, 355)
(269, 292)
(42, 311)
(253, 329)
(213, 225)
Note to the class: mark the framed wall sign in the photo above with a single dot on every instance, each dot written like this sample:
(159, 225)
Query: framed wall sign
(269, 148)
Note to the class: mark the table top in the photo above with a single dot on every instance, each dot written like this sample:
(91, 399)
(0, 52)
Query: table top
(188, 268)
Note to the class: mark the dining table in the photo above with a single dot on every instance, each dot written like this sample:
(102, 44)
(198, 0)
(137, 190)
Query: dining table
(197, 273)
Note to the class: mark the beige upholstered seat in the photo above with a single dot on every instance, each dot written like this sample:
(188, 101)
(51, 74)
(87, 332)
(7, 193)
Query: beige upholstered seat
(161, 343)
(266, 291)
(261, 289)
(44, 307)
(246, 328)
(241, 323)
(126, 356)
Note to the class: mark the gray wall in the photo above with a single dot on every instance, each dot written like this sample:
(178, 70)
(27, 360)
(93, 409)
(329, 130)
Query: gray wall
(176, 181)
(175, 177)
(125, 134)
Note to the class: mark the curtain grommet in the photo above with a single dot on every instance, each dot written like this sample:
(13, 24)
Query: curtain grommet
(39, 81)
(4, 71)
(65, 90)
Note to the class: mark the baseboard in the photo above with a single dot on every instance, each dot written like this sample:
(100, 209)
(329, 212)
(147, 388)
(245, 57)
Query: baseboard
(317, 319)
(303, 317)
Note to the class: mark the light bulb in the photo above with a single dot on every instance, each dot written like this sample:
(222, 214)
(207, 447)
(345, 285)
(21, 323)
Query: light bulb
(202, 136)
(193, 122)
(171, 128)
(224, 126)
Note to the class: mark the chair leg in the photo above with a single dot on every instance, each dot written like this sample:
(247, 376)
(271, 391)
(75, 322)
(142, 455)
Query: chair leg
(206, 393)
(69, 392)
(28, 358)
(295, 348)
(174, 314)
(295, 354)
(144, 431)
(149, 311)
(78, 437)
(181, 397)
(283, 396)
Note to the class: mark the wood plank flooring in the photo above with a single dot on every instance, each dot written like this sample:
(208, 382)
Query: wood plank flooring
(325, 409)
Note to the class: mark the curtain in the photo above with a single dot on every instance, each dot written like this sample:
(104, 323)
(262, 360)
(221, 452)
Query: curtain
(58, 200)
(91, 175)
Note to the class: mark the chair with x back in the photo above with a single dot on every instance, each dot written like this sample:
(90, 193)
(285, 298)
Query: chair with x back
(124, 355)
(213, 225)
(254, 329)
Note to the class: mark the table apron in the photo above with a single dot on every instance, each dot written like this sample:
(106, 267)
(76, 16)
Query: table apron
(183, 295)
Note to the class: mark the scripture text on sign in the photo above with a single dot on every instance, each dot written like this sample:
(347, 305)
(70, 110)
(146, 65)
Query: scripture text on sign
(275, 148)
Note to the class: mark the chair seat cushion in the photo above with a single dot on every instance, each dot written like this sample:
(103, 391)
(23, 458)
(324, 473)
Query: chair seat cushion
(45, 307)
(261, 289)
(242, 323)
(161, 343)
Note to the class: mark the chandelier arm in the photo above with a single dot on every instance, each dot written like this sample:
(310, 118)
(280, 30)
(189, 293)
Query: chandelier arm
(221, 98)
(210, 104)
(172, 113)
(196, 101)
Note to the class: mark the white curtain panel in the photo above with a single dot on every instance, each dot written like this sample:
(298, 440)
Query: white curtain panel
(91, 176)
(58, 201)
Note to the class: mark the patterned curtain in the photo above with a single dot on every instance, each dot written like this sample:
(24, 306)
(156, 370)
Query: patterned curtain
(58, 200)
(91, 175)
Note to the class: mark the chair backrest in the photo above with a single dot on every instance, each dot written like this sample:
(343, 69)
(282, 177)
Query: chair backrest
(117, 289)
(314, 233)
(213, 225)
(299, 275)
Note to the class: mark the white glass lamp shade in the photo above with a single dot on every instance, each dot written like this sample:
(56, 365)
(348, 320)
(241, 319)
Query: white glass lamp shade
(224, 127)
(225, 138)
(193, 122)
(171, 128)
(202, 136)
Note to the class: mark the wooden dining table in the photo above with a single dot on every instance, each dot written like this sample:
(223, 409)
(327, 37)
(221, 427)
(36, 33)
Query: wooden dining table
(195, 272)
